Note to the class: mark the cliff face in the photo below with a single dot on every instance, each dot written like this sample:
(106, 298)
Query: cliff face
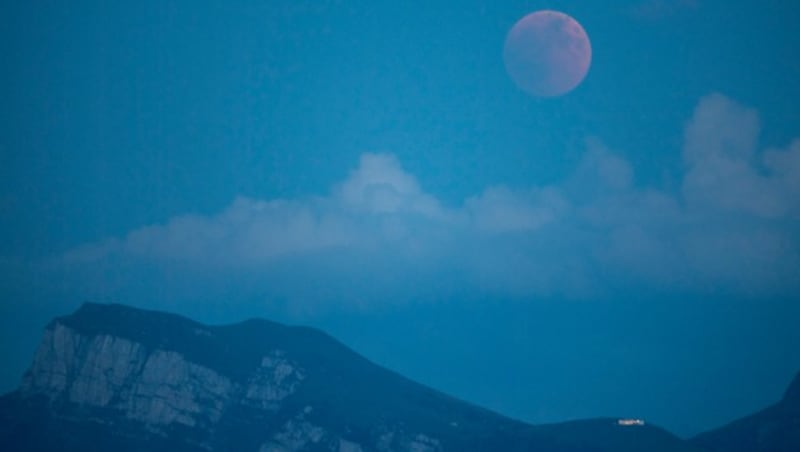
(148, 384)
(160, 389)
(159, 381)
(111, 377)
(153, 386)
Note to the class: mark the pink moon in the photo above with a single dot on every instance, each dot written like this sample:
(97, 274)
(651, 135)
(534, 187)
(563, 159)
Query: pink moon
(547, 53)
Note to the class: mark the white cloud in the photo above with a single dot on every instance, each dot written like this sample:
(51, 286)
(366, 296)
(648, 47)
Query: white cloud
(732, 228)
(499, 209)
(379, 185)
(720, 128)
(726, 172)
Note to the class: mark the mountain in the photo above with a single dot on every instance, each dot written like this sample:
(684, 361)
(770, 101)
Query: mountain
(111, 377)
(609, 436)
(773, 429)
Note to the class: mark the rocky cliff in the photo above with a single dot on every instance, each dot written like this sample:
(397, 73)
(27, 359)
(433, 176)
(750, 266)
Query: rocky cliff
(111, 377)
(154, 386)
(161, 381)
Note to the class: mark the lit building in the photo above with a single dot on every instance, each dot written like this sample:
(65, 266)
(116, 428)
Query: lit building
(630, 422)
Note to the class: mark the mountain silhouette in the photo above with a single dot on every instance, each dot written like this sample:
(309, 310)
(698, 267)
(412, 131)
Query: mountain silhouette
(113, 377)
(773, 429)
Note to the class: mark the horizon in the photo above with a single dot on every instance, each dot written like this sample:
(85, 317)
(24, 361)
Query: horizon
(268, 323)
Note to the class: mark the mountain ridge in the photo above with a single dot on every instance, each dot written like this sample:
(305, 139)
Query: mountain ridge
(135, 379)
(163, 371)
(792, 394)
(775, 428)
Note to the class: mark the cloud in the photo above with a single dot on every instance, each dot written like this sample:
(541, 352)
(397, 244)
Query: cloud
(379, 185)
(724, 170)
(499, 209)
(732, 227)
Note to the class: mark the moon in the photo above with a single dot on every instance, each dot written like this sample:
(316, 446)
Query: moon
(547, 53)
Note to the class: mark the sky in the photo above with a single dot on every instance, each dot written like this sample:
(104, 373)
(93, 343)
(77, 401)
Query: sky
(631, 248)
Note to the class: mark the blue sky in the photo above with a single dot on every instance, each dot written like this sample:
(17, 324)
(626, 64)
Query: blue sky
(630, 248)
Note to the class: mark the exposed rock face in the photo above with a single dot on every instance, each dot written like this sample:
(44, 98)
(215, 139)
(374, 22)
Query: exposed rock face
(137, 381)
(160, 388)
(156, 387)
(111, 377)
(272, 382)
(296, 434)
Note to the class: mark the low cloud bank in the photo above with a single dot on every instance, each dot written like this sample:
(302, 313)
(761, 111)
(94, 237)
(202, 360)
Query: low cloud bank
(733, 226)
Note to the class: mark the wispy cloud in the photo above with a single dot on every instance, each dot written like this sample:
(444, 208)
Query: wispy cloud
(732, 227)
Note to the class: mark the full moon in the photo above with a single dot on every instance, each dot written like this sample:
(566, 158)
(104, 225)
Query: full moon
(547, 53)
